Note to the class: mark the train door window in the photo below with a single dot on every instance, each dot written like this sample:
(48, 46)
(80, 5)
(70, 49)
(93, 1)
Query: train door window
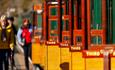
(39, 21)
(96, 40)
(67, 7)
(54, 0)
(79, 39)
(53, 11)
(79, 15)
(74, 7)
(96, 12)
(62, 11)
(66, 38)
(65, 25)
(53, 28)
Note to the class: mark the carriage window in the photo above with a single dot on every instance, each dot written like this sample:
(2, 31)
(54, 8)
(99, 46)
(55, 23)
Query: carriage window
(79, 15)
(66, 38)
(53, 11)
(96, 40)
(74, 8)
(96, 14)
(65, 25)
(53, 28)
(39, 21)
(62, 11)
(78, 39)
(67, 7)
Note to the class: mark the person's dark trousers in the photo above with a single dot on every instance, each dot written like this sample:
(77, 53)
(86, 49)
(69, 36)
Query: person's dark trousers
(12, 59)
(4, 55)
(27, 54)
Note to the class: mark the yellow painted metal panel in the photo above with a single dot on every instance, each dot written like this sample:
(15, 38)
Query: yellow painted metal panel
(44, 57)
(113, 63)
(94, 63)
(39, 54)
(77, 61)
(53, 58)
(36, 54)
(65, 59)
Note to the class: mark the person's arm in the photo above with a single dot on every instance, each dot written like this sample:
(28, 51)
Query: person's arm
(12, 39)
(19, 37)
(31, 28)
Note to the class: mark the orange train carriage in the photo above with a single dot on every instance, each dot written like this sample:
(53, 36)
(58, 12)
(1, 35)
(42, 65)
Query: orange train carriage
(74, 35)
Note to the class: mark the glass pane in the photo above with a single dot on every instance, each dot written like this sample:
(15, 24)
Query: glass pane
(66, 38)
(67, 7)
(74, 8)
(54, 25)
(62, 11)
(113, 21)
(67, 25)
(39, 21)
(78, 39)
(96, 40)
(53, 28)
(96, 14)
(79, 15)
(63, 25)
(53, 11)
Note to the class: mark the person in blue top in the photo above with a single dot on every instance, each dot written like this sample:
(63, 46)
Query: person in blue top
(24, 36)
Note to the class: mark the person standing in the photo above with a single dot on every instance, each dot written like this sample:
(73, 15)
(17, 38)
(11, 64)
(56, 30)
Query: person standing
(6, 42)
(10, 20)
(24, 36)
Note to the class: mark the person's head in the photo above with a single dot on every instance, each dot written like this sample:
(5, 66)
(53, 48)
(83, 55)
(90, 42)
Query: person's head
(3, 20)
(25, 22)
(10, 20)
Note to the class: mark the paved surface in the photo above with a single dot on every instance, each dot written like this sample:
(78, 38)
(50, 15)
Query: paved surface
(19, 62)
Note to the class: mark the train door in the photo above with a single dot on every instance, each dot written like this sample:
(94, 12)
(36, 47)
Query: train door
(79, 25)
(53, 26)
(65, 24)
(96, 23)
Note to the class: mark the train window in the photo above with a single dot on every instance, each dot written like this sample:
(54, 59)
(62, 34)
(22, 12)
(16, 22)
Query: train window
(79, 23)
(65, 25)
(96, 18)
(79, 15)
(66, 38)
(78, 39)
(53, 11)
(62, 11)
(74, 8)
(96, 26)
(96, 40)
(67, 7)
(53, 28)
(39, 21)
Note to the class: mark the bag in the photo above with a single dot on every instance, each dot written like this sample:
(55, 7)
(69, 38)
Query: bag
(18, 48)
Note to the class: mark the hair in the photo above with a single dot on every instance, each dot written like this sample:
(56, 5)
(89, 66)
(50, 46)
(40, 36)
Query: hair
(25, 20)
(11, 18)
(3, 17)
